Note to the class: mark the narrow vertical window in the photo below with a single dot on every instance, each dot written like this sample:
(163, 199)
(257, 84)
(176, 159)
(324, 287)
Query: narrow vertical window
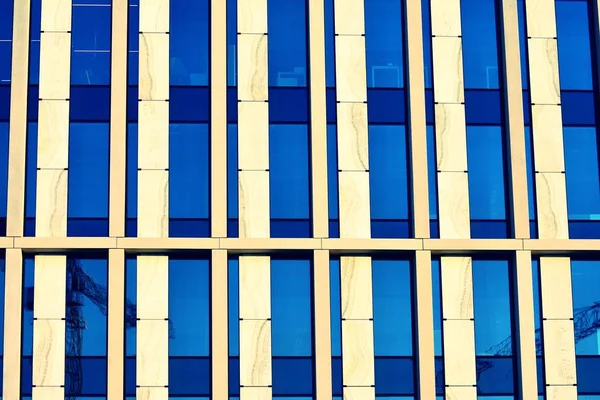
(27, 327)
(232, 181)
(130, 324)
(332, 181)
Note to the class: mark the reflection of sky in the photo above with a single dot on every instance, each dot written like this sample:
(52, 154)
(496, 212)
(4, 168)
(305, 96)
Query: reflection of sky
(586, 292)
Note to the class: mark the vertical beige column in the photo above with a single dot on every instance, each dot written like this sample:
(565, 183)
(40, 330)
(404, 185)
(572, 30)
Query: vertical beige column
(546, 120)
(255, 328)
(13, 294)
(557, 328)
(153, 120)
(116, 323)
(318, 118)
(49, 308)
(424, 326)
(15, 212)
(118, 118)
(253, 119)
(358, 356)
(218, 117)
(219, 326)
(53, 120)
(322, 307)
(416, 118)
(152, 335)
(458, 327)
(513, 108)
(450, 124)
(525, 326)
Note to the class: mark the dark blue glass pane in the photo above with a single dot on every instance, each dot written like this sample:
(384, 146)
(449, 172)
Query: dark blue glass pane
(391, 229)
(291, 326)
(85, 376)
(334, 228)
(439, 376)
(298, 382)
(483, 107)
(130, 371)
(574, 56)
(233, 304)
(88, 174)
(2, 291)
(384, 43)
(587, 374)
(386, 106)
(132, 103)
(432, 172)
(91, 26)
(234, 376)
(90, 103)
(134, 26)
(3, 168)
(329, 44)
(194, 227)
(578, 108)
(489, 229)
(331, 106)
(584, 229)
(5, 65)
(6, 20)
(288, 105)
(26, 375)
(287, 26)
(495, 375)
(336, 377)
(232, 173)
(332, 172)
(427, 62)
(336, 304)
(429, 107)
(526, 107)
(530, 172)
(30, 178)
(231, 24)
(189, 376)
(232, 105)
(132, 178)
(189, 42)
(434, 229)
(394, 376)
(133, 68)
(189, 104)
(480, 44)
(437, 306)
(189, 177)
(4, 102)
(523, 43)
(90, 68)
(290, 228)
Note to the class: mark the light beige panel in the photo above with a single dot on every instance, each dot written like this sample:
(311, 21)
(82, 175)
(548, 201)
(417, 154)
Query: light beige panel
(359, 393)
(51, 203)
(546, 121)
(551, 194)
(561, 392)
(153, 203)
(255, 287)
(153, 135)
(357, 353)
(154, 66)
(541, 20)
(53, 134)
(50, 285)
(555, 285)
(255, 352)
(56, 15)
(457, 287)
(356, 287)
(559, 352)
(48, 393)
(253, 135)
(219, 305)
(152, 361)
(55, 62)
(543, 67)
(254, 204)
(13, 317)
(355, 213)
(453, 187)
(252, 68)
(451, 137)
(152, 393)
(349, 17)
(154, 15)
(459, 352)
(152, 287)
(448, 70)
(322, 324)
(461, 393)
(48, 352)
(350, 69)
(256, 393)
(353, 139)
(445, 17)
(252, 16)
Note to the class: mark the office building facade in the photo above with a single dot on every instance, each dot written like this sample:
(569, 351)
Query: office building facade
(300, 199)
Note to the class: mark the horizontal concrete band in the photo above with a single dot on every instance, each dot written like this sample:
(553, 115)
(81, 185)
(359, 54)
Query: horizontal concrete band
(241, 245)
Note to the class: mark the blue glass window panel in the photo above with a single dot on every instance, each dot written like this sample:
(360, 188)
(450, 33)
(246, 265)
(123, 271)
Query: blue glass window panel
(131, 302)
(574, 50)
(491, 301)
(485, 157)
(189, 180)
(189, 376)
(34, 62)
(88, 377)
(129, 378)
(288, 105)
(536, 306)
(36, 19)
(587, 376)
(437, 306)
(300, 382)
(4, 133)
(582, 174)
(585, 275)
(495, 376)
(231, 42)
(483, 107)
(530, 172)
(232, 176)
(132, 179)
(336, 304)
(332, 171)
(232, 105)
(523, 44)
(133, 59)
(578, 108)
(234, 375)
(392, 308)
(287, 42)
(88, 179)
(27, 325)
(5, 62)
(394, 376)
(30, 179)
(134, 28)
(386, 106)
(90, 103)
(336, 379)
(90, 68)
(4, 102)
(427, 60)
(189, 104)
(329, 44)
(91, 28)
(2, 290)
(189, 42)
(384, 43)
(6, 20)
(439, 376)
(388, 174)
(289, 175)
(234, 313)
(480, 44)
(291, 307)
(432, 172)
(189, 290)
